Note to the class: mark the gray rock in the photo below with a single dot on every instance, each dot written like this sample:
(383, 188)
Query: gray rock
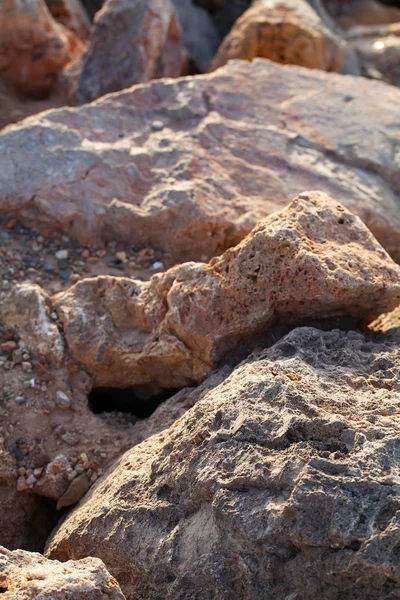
(281, 482)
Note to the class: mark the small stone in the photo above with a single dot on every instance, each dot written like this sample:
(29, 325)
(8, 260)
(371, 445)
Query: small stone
(27, 367)
(85, 253)
(72, 475)
(20, 400)
(31, 480)
(22, 484)
(62, 254)
(38, 471)
(64, 275)
(74, 493)
(17, 356)
(121, 256)
(62, 400)
(8, 346)
(79, 468)
(49, 268)
(157, 265)
(157, 125)
(21, 471)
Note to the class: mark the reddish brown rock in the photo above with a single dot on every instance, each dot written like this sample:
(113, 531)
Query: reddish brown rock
(282, 482)
(30, 576)
(312, 260)
(72, 15)
(288, 32)
(131, 42)
(33, 47)
(233, 147)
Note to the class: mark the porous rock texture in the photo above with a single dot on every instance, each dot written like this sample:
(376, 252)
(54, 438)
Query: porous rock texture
(33, 46)
(312, 260)
(191, 165)
(132, 41)
(281, 482)
(286, 31)
(30, 576)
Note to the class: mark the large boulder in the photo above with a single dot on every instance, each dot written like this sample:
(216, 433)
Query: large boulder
(30, 576)
(312, 260)
(33, 46)
(132, 41)
(282, 482)
(288, 32)
(191, 165)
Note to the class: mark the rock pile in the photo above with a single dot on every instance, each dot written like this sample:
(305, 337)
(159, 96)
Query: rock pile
(312, 260)
(199, 358)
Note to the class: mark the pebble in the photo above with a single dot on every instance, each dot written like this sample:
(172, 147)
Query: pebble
(157, 125)
(49, 268)
(121, 256)
(62, 254)
(157, 265)
(62, 400)
(22, 484)
(64, 275)
(8, 346)
(20, 400)
(72, 475)
(31, 480)
(27, 366)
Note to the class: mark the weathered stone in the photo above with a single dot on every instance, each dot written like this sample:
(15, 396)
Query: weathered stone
(54, 481)
(281, 482)
(312, 260)
(288, 32)
(76, 490)
(236, 145)
(33, 47)
(132, 41)
(28, 309)
(199, 33)
(72, 15)
(30, 576)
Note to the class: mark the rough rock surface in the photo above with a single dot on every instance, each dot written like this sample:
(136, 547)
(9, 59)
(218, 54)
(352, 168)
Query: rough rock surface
(281, 482)
(33, 46)
(234, 146)
(30, 576)
(288, 32)
(199, 33)
(132, 41)
(29, 309)
(312, 260)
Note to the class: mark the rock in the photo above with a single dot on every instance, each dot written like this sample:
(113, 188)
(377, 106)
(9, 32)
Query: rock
(72, 15)
(378, 50)
(281, 482)
(362, 12)
(288, 32)
(28, 309)
(132, 41)
(54, 481)
(76, 490)
(199, 33)
(30, 576)
(223, 160)
(312, 260)
(33, 47)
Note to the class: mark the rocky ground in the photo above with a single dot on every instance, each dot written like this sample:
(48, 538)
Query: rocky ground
(199, 299)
